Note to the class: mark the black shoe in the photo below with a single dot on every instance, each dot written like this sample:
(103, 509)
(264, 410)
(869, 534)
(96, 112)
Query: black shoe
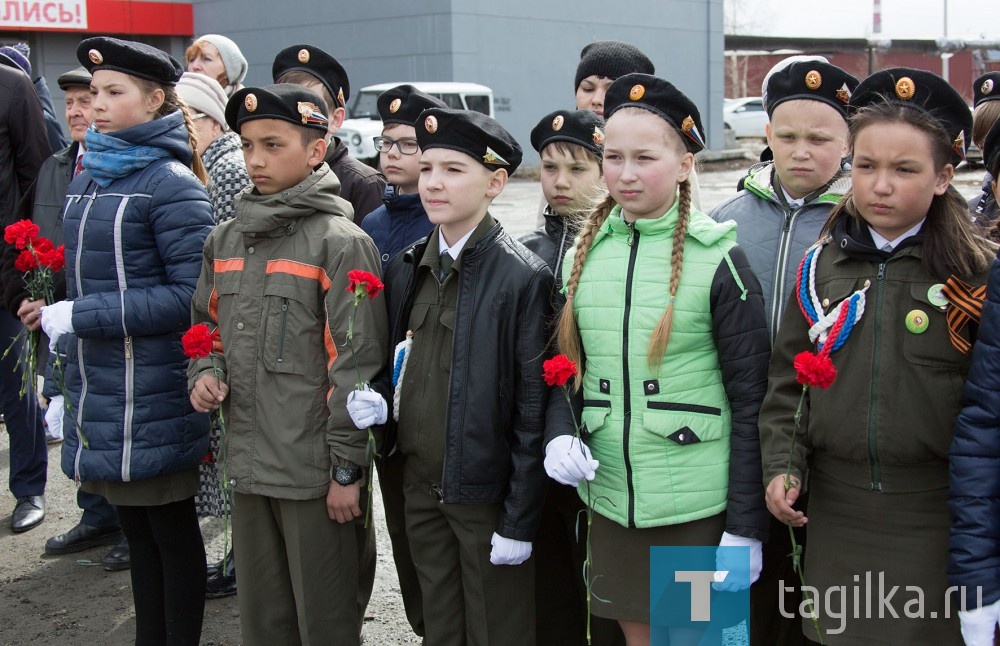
(117, 558)
(212, 568)
(28, 513)
(82, 537)
(223, 582)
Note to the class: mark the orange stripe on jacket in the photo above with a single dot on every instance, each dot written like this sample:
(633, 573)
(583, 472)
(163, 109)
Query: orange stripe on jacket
(213, 305)
(299, 269)
(227, 264)
(331, 347)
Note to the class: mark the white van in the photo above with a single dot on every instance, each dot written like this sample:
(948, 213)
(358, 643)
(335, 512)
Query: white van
(364, 123)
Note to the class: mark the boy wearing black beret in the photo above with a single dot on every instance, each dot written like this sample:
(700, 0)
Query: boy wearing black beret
(471, 400)
(986, 112)
(780, 211)
(273, 284)
(313, 68)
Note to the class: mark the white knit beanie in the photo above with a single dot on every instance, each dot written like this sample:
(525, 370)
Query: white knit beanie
(232, 58)
(203, 94)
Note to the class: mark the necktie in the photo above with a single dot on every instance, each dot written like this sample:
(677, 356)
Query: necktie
(79, 166)
(446, 262)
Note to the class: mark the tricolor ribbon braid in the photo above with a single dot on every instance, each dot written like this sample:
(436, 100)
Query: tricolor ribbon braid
(400, 356)
(965, 306)
(828, 330)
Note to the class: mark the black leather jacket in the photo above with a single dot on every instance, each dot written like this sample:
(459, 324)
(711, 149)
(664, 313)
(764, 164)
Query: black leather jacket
(497, 398)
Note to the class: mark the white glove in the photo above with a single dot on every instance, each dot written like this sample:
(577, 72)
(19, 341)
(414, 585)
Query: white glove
(54, 416)
(978, 624)
(57, 320)
(367, 408)
(568, 461)
(507, 551)
(724, 562)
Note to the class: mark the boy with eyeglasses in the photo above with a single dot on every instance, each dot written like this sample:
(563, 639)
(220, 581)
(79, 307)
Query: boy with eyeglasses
(401, 220)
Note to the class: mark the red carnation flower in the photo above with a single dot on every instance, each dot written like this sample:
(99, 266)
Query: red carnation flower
(558, 370)
(360, 281)
(20, 233)
(25, 262)
(199, 341)
(814, 370)
(54, 259)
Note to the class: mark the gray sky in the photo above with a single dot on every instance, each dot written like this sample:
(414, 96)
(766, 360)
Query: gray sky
(969, 19)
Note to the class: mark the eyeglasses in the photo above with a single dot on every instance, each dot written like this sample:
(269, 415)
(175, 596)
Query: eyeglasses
(406, 146)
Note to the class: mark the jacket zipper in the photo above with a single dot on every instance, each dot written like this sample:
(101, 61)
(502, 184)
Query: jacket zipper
(444, 460)
(129, 410)
(778, 294)
(633, 242)
(560, 253)
(79, 342)
(876, 470)
(281, 336)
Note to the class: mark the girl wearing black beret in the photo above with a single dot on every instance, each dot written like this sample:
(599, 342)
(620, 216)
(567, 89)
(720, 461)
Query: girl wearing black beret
(134, 224)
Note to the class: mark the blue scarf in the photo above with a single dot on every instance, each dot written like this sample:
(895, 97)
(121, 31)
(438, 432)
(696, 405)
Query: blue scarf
(109, 158)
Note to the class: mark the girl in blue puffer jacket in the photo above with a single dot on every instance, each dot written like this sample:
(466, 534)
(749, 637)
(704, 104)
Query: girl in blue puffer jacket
(134, 225)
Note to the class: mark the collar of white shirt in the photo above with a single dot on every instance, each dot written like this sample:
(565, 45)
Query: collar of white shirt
(792, 202)
(881, 242)
(456, 248)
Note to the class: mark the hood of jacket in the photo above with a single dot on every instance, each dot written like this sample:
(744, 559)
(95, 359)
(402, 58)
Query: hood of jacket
(317, 193)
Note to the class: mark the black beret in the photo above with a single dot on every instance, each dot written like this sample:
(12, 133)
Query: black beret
(404, 103)
(580, 127)
(286, 101)
(469, 132)
(986, 88)
(813, 80)
(991, 148)
(74, 78)
(661, 98)
(325, 68)
(611, 59)
(924, 91)
(129, 57)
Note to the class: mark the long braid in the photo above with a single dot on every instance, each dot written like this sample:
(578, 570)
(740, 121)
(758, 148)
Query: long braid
(172, 101)
(567, 332)
(661, 335)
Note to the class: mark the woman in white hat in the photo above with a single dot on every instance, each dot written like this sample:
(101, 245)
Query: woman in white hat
(220, 58)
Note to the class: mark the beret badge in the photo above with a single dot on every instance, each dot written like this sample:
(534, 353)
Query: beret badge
(987, 86)
(813, 80)
(491, 157)
(905, 88)
(431, 124)
(844, 93)
(959, 144)
(95, 57)
(598, 136)
(250, 102)
(637, 92)
(303, 56)
(557, 123)
(395, 105)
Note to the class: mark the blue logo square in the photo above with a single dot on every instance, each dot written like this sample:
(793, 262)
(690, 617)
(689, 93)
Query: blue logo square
(698, 588)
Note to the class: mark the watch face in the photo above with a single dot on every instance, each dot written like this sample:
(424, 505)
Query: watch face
(345, 476)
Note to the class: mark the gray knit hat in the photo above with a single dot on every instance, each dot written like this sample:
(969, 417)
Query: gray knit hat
(611, 59)
(232, 58)
(203, 94)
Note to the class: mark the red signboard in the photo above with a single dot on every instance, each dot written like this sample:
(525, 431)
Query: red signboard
(98, 16)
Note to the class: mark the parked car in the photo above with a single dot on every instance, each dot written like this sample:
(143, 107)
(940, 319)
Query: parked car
(364, 124)
(745, 116)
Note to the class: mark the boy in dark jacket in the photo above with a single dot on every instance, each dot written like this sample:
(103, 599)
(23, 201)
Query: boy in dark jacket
(471, 397)
(274, 280)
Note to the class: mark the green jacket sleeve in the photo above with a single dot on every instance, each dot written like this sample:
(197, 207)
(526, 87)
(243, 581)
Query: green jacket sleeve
(202, 311)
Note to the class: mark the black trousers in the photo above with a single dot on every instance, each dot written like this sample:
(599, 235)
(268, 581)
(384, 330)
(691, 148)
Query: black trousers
(168, 572)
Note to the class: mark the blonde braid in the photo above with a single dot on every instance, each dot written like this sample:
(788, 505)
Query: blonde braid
(567, 332)
(661, 335)
(197, 166)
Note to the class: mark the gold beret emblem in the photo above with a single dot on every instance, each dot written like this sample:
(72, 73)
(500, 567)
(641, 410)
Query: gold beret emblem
(95, 57)
(250, 102)
(598, 136)
(340, 97)
(395, 105)
(844, 94)
(905, 88)
(303, 56)
(431, 124)
(557, 123)
(987, 86)
(637, 92)
(813, 80)
(959, 144)
(687, 124)
(306, 109)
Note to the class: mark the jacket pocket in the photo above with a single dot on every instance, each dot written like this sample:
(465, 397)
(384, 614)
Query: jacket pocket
(683, 424)
(926, 341)
(289, 325)
(594, 416)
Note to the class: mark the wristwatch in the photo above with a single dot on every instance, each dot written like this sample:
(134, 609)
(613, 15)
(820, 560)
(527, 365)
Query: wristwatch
(346, 475)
